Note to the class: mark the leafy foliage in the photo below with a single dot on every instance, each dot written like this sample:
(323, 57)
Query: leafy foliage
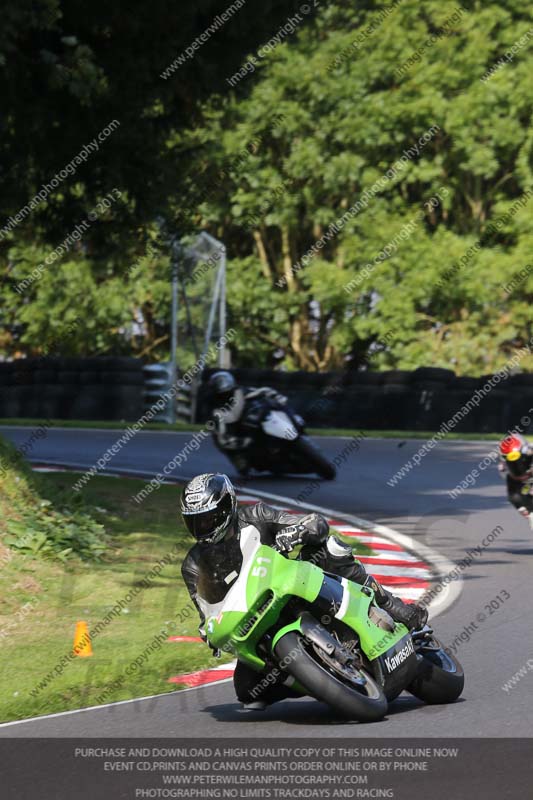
(70, 68)
(33, 525)
(269, 166)
(346, 121)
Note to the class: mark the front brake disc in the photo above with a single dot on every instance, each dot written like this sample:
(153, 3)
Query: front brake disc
(348, 669)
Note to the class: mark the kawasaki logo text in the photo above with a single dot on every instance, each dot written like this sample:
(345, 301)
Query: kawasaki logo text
(395, 661)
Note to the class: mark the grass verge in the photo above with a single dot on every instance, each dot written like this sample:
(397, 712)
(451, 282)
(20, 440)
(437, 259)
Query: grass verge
(41, 599)
(182, 426)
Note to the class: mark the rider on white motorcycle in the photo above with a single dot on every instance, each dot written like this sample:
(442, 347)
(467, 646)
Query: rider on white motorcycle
(229, 404)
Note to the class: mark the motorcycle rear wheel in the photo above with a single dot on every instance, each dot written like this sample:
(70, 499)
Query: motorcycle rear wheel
(364, 702)
(440, 678)
(317, 462)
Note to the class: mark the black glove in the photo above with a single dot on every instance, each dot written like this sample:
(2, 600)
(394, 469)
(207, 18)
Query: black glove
(288, 538)
(419, 617)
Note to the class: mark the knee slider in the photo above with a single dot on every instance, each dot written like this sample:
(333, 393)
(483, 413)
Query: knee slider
(338, 549)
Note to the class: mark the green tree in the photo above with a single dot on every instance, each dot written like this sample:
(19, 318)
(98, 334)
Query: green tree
(68, 70)
(348, 113)
(335, 259)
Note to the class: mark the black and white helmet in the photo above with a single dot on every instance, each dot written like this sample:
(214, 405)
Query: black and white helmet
(209, 507)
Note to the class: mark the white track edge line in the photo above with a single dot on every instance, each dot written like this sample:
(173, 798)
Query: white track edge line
(442, 566)
(111, 705)
(440, 563)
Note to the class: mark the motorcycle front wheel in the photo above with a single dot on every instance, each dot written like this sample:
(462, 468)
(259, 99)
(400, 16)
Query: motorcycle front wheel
(349, 690)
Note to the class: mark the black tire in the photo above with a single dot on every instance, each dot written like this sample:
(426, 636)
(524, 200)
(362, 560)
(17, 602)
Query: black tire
(317, 462)
(522, 379)
(320, 682)
(88, 378)
(397, 377)
(122, 378)
(42, 376)
(122, 364)
(440, 679)
(439, 374)
(355, 379)
(463, 384)
(68, 378)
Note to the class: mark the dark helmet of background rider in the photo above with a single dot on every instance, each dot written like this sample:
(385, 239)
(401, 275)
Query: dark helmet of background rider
(220, 388)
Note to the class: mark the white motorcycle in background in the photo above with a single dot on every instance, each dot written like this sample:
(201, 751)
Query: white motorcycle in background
(275, 442)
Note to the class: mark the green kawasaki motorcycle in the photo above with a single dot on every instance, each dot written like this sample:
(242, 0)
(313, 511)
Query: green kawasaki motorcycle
(289, 619)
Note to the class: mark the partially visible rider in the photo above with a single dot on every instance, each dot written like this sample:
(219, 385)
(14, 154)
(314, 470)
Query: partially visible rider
(516, 466)
(211, 514)
(231, 407)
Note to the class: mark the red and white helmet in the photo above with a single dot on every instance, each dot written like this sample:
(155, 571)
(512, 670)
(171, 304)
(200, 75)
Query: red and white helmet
(512, 447)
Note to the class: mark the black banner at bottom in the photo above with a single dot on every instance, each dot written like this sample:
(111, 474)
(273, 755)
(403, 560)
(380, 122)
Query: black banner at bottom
(139, 769)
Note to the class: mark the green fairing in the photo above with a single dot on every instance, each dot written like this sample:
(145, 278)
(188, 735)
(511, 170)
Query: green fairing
(374, 640)
(266, 584)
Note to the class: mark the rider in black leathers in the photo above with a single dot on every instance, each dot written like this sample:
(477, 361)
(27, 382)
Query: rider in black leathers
(210, 511)
(516, 466)
(232, 409)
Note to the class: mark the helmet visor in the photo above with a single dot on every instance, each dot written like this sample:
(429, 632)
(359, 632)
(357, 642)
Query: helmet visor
(223, 398)
(519, 466)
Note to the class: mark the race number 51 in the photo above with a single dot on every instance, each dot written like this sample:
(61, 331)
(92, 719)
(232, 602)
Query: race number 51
(258, 571)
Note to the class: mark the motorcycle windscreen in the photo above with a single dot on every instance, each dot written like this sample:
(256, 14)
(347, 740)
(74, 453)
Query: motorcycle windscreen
(280, 426)
(219, 565)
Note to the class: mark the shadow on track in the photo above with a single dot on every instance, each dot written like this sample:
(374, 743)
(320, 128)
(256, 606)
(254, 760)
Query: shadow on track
(309, 712)
(289, 712)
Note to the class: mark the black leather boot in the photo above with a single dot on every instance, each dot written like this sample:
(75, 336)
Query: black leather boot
(411, 615)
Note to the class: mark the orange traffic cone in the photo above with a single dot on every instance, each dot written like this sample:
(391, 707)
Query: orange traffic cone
(82, 640)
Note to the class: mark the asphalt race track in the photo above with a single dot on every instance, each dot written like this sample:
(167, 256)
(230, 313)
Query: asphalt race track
(500, 643)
